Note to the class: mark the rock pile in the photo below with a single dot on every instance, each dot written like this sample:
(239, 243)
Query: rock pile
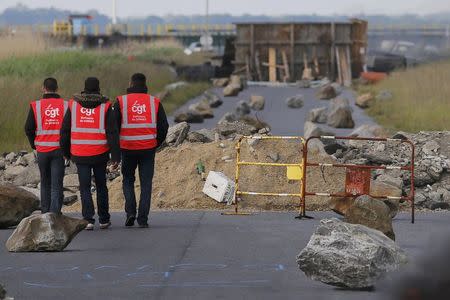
(349, 256)
(203, 109)
(44, 232)
(432, 165)
(338, 114)
(15, 204)
(235, 86)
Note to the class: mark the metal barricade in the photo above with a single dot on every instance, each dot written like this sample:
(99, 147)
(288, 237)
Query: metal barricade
(358, 177)
(294, 171)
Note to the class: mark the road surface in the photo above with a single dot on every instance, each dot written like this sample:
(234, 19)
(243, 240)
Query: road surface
(192, 255)
(282, 119)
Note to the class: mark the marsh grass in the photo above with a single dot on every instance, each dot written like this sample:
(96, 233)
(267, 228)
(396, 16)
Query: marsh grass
(21, 79)
(421, 99)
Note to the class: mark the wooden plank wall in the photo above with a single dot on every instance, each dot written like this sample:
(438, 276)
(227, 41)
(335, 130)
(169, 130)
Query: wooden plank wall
(316, 40)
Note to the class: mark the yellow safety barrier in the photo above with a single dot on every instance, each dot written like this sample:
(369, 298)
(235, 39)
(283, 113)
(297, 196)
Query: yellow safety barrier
(294, 171)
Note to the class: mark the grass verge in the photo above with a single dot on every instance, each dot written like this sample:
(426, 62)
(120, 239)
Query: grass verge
(421, 99)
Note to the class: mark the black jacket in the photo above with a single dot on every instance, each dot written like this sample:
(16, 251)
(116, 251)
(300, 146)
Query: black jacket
(112, 132)
(30, 124)
(162, 125)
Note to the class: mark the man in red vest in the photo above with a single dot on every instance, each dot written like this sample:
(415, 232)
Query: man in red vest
(90, 137)
(143, 127)
(43, 127)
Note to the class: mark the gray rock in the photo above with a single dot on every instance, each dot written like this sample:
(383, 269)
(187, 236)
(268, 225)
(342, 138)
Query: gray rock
(15, 204)
(349, 256)
(372, 213)
(197, 137)
(29, 159)
(430, 147)
(366, 131)
(274, 156)
(304, 84)
(394, 181)
(257, 102)
(2, 164)
(311, 129)
(242, 109)
(231, 90)
(337, 88)
(317, 115)
(10, 157)
(295, 101)
(70, 200)
(340, 114)
(228, 117)
(229, 128)
(202, 108)
(177, 134)
(44, 232)
(327, 92)
(208, 133)
(71, 181)
(419, 198)
(220, 82)
(71, 169)
(378, 157)
(189, 117)
(22, 176)
(213, 100)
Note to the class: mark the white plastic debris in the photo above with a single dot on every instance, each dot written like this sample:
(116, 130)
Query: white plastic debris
(219, 187)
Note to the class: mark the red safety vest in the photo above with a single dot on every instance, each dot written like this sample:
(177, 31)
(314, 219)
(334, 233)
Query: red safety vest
(88, 135)
(139, 121)
(49, 115)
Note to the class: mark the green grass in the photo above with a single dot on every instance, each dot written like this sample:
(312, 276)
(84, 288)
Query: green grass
(21, 80)
(421, 99)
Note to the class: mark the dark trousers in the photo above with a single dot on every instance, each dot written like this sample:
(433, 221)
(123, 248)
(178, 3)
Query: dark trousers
(85, 177)
(51, 167)
(146, 163)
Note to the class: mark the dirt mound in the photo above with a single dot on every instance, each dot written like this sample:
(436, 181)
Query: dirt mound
(177, 185)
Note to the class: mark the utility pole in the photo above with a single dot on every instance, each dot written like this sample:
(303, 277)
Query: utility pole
(114, 12)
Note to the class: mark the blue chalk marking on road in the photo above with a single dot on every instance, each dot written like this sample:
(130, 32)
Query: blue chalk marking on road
(197, 266)
(143, 267)
(275, 267)
(106, 267)
(281, 268)
(68, 269)
(6, 269)
(167, 274)
(44, 285)
(88, 276)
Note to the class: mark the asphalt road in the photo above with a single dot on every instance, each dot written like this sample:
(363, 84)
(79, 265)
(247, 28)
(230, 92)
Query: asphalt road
(282, 119)
(192, 255)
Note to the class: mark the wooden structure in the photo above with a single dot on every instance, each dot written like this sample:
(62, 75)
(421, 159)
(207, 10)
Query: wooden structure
(295, 51)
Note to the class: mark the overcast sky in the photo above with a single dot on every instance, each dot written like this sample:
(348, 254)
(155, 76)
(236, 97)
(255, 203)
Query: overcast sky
(238, 7)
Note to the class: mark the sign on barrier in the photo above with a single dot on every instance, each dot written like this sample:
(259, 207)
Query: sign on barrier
(294, 171)
(358, 177)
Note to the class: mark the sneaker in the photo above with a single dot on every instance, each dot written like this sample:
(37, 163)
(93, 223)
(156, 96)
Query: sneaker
(105, 225)
(130, 221)
(90, 227)
(145, 225)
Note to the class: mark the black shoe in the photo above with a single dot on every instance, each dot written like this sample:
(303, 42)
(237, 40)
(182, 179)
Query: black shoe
(130, 221)
(145, 225)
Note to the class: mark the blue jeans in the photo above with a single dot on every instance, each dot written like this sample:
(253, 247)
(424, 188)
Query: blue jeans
(85, 177)
(146, 163)
(51, 168)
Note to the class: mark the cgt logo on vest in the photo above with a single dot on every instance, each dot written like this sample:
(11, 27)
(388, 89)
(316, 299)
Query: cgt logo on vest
(87, 111)
(51, 112)
(138, 109)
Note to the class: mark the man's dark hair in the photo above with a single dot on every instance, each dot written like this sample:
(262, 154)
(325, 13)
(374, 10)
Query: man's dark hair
(50, 84)
(138, 80)
(92, 85)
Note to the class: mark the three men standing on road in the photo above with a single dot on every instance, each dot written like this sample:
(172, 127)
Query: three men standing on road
(143, 128)
(42, 128)
(90, 138)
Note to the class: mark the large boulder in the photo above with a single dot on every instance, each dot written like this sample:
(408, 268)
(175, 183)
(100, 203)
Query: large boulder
(213, 100)
(386, 185)
(242, 109)
(44, 232)
(220, 82)
(15, 204)
(340, 114)
(295, 101)
(317, 115)
(372, 213)
(326, 92)
(190, 116)
(229, 128)
(257, 102)
(350, 256)
(311, 129)
(177, 134)
(364, 100)
(202, 108)
(231, 90)
(367, 130)
(198, 137)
